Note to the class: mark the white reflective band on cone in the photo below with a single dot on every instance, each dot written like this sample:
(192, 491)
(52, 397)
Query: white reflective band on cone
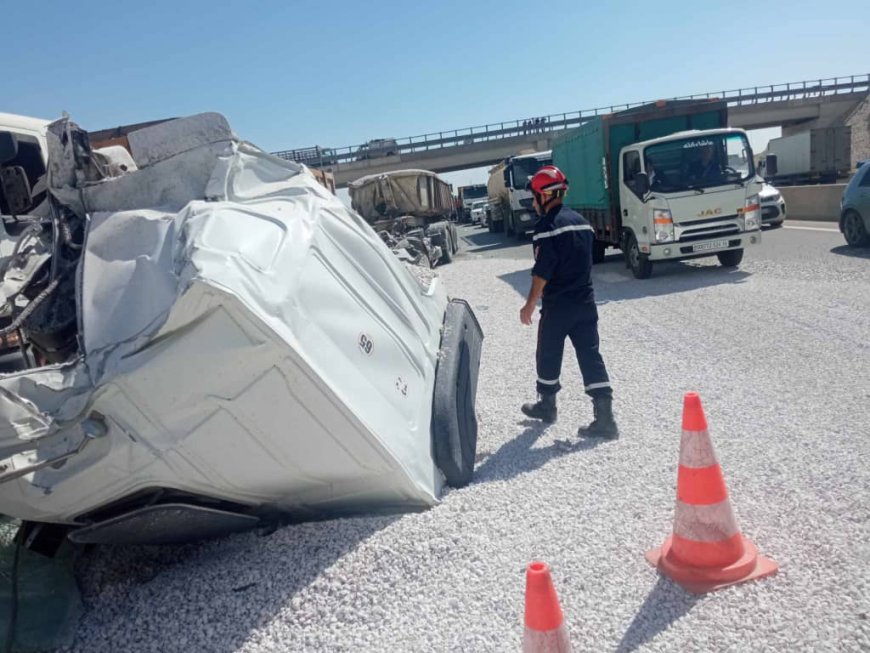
(696, 450)
(551, 641)
(712, 523)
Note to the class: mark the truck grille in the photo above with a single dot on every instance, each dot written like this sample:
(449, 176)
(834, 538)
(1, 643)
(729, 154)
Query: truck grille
(709, 232)
(693, 223)
(526, 203)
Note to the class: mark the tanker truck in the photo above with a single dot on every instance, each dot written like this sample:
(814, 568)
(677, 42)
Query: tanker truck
(510, 200)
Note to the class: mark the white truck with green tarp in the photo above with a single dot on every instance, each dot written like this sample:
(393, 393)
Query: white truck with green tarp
(664, 181)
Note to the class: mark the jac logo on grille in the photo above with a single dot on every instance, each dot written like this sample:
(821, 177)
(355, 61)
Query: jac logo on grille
(709, 212)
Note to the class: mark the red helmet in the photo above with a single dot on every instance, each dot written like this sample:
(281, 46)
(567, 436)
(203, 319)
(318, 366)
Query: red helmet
(547, 180)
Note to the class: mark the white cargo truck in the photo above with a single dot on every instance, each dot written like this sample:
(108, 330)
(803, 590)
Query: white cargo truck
(821, 155)
(687, 190)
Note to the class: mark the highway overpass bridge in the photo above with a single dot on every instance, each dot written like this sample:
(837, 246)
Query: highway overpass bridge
(793, 106)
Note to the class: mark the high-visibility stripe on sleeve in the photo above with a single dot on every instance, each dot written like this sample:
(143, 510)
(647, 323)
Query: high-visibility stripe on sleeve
(562, 230)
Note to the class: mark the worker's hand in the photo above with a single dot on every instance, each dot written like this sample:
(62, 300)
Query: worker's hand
(526, 313)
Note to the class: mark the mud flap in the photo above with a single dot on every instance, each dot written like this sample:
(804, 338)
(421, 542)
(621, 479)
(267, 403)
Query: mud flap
(454, 420)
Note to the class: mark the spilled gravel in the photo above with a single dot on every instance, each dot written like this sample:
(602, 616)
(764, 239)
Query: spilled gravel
(781, 357)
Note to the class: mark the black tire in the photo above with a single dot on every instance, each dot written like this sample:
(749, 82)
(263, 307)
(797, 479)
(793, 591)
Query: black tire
(638, 262)
(731, 258)
(454, 419)
(509, 226)
(446, 253)
(598, 249)
(854, 230)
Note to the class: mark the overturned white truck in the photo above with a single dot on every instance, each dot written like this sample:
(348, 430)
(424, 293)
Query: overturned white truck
(409, 209)
(206, 340)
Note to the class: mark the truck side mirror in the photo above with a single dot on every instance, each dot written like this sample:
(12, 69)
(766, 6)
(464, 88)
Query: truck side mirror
(770, 168)
(506, 174)
(15, 189)
(641, 184)
(8, 147)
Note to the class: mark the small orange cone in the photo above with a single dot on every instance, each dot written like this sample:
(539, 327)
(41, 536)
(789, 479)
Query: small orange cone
(545, 627)
(707, 551)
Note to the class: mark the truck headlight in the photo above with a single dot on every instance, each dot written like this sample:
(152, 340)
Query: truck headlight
(663, 225)
(751, 214)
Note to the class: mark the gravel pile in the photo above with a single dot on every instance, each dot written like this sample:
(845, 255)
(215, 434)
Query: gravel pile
(782, 362)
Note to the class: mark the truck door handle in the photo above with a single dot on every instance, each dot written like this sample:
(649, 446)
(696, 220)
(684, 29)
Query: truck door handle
(625, 213)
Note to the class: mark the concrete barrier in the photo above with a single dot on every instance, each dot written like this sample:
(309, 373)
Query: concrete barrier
(819, 202)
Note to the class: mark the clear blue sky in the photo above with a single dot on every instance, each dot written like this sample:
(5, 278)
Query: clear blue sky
(294, 74)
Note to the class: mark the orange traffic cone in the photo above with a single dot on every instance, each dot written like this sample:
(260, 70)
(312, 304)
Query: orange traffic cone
(545, 628)
(707, 551)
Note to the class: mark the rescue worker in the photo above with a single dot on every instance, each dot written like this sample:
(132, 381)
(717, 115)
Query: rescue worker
(562, 279)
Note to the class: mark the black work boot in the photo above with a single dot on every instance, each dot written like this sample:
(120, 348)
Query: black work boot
(544, 409)
(603, 426)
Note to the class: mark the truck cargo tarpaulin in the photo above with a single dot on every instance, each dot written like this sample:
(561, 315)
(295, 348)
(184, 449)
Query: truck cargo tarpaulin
(240, 345)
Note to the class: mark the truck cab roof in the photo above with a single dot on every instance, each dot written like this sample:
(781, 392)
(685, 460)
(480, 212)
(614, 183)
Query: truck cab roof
(684, 134)
(14, 122)
(534, 155)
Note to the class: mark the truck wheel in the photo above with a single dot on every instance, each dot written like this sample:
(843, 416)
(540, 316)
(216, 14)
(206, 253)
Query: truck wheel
(854, 231)
(441, 237)
(454, 238)
(641, 266)
(731, 258)
(509, 226)
(598, 249)
(454, 418)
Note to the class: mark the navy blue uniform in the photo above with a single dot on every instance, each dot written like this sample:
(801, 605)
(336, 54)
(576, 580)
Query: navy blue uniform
(563, 244)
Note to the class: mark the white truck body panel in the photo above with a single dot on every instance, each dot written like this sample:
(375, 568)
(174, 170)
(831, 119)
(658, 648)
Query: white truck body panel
(822, 151)
(260, 346)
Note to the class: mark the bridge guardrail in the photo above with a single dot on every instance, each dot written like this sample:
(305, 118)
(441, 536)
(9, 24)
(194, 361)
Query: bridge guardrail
(567, 120)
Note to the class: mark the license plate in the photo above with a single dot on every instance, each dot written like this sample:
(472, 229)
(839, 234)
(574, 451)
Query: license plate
(716, 244)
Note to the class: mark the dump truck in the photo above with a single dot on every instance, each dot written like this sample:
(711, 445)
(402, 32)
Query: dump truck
(410, 209)
(663, 182)
(511, 201)
(209, 341)
(814, 156)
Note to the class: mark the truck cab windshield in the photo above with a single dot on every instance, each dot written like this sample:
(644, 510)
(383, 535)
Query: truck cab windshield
(525, 168)
(699, 162)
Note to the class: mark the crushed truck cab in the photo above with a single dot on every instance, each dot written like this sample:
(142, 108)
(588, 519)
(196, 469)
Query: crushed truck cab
(243, 348)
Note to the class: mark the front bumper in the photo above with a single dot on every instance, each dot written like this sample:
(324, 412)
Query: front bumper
(526, 221)
(773, 212)
(706, 247)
